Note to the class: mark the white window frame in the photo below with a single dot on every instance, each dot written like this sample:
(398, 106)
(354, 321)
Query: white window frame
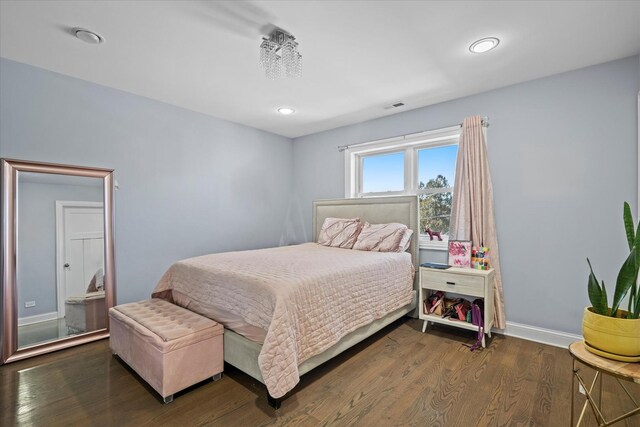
(410, 145)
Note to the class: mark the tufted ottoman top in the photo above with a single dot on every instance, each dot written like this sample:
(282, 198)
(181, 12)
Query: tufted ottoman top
(168, 321)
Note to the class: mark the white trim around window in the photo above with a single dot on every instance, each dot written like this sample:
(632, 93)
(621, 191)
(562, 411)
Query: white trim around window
(410, 145)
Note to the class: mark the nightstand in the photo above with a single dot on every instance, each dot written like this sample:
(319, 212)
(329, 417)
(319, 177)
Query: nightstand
(465, 282)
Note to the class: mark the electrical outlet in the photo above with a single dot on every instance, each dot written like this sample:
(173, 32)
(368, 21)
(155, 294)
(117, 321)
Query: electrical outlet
(581, 389)
(29, 304)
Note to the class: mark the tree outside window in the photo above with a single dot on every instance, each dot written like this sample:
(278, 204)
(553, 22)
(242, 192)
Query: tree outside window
(435, 209)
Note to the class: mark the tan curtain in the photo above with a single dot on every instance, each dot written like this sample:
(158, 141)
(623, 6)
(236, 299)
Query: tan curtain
(472, 210)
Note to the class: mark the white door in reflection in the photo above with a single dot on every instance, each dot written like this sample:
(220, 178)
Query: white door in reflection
(82, 246)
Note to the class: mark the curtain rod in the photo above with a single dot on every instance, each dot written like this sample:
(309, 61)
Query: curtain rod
(341, 148)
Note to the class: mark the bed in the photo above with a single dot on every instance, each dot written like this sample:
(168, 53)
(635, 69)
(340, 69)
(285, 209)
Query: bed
(319, 301)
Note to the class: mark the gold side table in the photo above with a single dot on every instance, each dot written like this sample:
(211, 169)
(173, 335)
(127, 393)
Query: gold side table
(618, 370)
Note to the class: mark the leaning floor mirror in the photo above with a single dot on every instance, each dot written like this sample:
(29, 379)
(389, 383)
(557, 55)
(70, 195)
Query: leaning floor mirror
(58, 275)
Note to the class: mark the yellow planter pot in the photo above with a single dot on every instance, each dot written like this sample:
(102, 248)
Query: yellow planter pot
(612, 337)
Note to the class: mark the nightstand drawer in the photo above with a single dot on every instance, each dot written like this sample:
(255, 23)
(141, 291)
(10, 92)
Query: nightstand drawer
(448, 282)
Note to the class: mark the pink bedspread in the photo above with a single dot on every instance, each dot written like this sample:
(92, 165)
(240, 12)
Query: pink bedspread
(306, 297)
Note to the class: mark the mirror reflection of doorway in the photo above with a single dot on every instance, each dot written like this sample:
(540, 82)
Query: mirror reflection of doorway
(79, 272)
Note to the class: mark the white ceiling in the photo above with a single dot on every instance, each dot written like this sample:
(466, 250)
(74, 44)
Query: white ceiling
(358, 56)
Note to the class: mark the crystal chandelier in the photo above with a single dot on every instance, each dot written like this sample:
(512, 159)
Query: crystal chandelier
(280, 51)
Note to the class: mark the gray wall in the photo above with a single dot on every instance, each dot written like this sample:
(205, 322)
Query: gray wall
(563, 154)
(36, 276)
(190, 184)
(563, 157)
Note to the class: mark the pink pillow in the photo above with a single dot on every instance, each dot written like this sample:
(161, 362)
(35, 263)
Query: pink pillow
(392, 237)
(339, 232)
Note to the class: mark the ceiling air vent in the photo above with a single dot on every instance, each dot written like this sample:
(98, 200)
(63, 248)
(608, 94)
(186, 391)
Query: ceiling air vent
(394, 105)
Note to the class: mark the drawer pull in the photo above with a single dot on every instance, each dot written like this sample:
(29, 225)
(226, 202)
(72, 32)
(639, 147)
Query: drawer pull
(451, 283)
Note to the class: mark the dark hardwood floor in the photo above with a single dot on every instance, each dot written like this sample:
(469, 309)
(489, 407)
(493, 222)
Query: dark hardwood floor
(397, 377)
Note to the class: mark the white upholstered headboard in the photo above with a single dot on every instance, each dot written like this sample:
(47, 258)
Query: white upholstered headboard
(375, 210)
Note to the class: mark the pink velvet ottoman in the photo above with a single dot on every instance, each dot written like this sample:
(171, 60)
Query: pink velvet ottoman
(170, 347)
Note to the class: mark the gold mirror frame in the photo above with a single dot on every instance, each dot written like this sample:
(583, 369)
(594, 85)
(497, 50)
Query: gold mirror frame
(9, 170)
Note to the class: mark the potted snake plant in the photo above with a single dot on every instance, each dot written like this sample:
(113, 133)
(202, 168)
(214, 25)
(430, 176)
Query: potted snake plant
(611, 331)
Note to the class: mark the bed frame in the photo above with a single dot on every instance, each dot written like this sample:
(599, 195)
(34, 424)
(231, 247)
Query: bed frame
(243, 353)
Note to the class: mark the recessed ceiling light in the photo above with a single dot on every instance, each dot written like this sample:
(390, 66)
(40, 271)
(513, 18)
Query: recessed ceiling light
(88, 36)
(286, 110)
(484, 45)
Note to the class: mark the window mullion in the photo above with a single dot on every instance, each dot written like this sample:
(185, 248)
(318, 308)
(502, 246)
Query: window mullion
(359, 176)
(410, 171)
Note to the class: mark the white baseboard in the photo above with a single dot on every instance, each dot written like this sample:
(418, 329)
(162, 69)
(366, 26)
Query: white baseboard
(44, 317)
(541, 335)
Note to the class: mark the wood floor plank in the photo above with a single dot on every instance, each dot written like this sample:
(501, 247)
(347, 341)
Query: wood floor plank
(398, 377)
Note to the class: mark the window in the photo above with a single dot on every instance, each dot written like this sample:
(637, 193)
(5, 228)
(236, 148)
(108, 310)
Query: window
(422, 164)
